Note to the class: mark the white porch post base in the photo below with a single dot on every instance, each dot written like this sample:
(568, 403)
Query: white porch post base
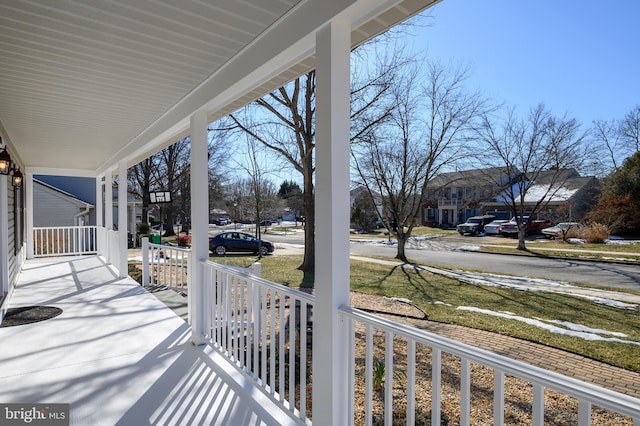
(330, 338)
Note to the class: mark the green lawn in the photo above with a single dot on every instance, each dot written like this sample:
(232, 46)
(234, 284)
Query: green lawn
(440, 296)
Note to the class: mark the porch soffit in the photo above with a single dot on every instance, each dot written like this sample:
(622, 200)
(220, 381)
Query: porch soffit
(86, 84)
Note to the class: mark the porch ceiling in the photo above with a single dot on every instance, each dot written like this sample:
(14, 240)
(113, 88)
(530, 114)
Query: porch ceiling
(87, 83)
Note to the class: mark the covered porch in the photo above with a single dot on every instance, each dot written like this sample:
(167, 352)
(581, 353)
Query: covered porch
(118, 355)
(91, 89)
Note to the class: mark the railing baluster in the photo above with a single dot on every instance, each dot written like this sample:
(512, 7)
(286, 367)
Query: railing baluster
(537, 410)
(263, 339)
(351, 353)
(249, 327)
(368, 363)
(292, 352)
(436, 380)
(233, 343)
(228, 325)
(411, 381)
(281, 350)
(243, 324)
(584, 412)
(257, 312)
(303, 359)
(272, 343)
(388, 380)
(219, 308)
(465, 392)
(498, 397)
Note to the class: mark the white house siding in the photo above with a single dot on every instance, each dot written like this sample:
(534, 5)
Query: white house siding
(15, 258)
(53, 208)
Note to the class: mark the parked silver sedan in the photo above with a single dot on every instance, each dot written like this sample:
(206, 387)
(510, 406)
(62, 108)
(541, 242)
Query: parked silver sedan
(493, 228)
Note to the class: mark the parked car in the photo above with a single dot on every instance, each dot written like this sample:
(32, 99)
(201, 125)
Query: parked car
(222, 221)
(475, 225)
(494, 227)
(560, 228)
(510, 229)
(235, 241)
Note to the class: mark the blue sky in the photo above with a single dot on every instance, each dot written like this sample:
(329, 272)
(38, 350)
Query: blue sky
(577, 57)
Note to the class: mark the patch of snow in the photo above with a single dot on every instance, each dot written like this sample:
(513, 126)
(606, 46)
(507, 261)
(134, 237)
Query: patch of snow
(438, 302)
(612, 303)
(619, 241)
(579, 327)
(469, 248)
(585, 334)
(575, 241)
(401, 300)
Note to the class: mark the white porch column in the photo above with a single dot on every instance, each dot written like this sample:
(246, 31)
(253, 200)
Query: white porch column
(108, 200)
(4, 235)
(122, 219)
(28, 203)
(330, 363)
(99, 202)
(199, 222)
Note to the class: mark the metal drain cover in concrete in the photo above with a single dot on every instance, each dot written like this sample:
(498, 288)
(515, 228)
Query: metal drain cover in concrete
(28, 315)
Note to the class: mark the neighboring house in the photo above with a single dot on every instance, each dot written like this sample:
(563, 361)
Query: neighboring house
(456, 196)
(70, 200)
(567, 197)
(56, 207)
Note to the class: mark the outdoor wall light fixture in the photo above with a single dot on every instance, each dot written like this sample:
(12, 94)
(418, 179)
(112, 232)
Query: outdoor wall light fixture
(5, 160)
(17, 177)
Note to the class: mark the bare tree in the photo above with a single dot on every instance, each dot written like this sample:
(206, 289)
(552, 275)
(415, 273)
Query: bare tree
(260, 190)
(609, 145)
(283, 121)
(429, 127)
(540, 152)
(142, 178)
(173, 168)
(616, 140)
(630, 130)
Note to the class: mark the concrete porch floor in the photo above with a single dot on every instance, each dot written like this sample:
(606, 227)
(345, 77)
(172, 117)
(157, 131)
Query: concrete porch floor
(118, 355)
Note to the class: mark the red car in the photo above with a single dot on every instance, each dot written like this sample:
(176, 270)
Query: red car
(510, 229)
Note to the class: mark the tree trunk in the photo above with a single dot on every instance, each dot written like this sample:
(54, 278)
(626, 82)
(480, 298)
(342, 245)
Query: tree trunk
(402, 241)
(168, 214)
(308, 266)
(522, 233)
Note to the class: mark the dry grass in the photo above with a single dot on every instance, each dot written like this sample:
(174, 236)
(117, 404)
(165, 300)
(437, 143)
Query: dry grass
(559, 409)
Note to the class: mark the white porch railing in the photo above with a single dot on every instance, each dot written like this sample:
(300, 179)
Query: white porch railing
(165, 266)
(261, 327)
(371, 336)
(64, 240)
